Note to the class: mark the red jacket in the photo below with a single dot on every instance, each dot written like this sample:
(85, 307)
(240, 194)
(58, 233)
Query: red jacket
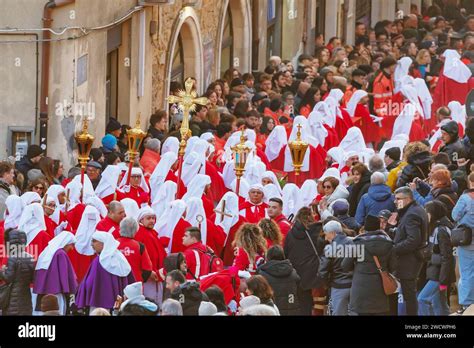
(197, 260)
(137, 256)
(153, 245)
(284, 224)
(109, 225)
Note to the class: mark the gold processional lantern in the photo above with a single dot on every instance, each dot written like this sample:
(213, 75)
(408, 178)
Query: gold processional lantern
(241, 152)
(135, 137)
(298, 150)
(84, 142)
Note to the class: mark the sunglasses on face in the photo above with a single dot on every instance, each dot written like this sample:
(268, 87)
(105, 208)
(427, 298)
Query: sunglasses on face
(38, 187)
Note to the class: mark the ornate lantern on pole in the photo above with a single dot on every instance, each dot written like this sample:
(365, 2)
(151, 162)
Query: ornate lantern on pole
(135, 137)
(84, 142)
(187, 101)
(298, 150)
(241, 152)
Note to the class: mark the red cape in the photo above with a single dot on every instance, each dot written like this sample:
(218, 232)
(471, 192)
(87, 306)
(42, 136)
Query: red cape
(153, 245)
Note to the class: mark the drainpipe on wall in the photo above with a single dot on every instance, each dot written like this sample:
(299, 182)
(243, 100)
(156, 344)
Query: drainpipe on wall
(45, 58)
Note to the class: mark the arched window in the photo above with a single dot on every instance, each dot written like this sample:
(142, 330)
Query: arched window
(227, 49)
(177, 69)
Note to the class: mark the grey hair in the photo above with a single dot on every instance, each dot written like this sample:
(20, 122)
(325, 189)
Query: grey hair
(128, 227)
(171, 308)
(114, 205)
(376, 164)
(406, 191)
(377, 178)
(153, 145)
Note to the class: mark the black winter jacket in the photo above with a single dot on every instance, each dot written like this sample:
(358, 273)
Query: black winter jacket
(357, 191)
(330, 268)
(447, 196)
(299, 251)
(418, 167)
(367, 294)
(284, 281)
(411, 236)
(442, 264)
(19, 272)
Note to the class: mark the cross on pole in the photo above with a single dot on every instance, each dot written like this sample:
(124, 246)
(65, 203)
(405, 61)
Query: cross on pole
(187, 99)
(222, 213)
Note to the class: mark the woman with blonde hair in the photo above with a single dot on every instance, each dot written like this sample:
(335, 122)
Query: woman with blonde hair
(418, 158)
(271, 232)
(251, 248)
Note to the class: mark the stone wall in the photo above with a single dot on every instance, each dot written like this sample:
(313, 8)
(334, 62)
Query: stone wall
(209, 14)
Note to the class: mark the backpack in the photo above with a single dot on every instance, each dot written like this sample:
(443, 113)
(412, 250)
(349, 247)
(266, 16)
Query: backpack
(214, 263)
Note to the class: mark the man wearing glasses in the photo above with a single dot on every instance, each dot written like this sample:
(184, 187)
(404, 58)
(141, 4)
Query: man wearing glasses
(410, 237)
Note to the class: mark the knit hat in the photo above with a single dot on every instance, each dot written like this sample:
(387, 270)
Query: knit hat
(113, 125)
(109, 142)
(451, 128)
(372, 223)
(207, 309)
(49, 303)
(340, 207)
(394, 153)
(33, 151)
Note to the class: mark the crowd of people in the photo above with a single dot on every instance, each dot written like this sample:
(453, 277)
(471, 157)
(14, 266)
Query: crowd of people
(386, 184)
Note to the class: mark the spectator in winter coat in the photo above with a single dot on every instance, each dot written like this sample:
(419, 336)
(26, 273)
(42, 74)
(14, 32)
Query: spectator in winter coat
(418, 157)
(30, 161)
(283, 279)
(333, 191)
(305, 259)
(361, 183)
(330, 268)
(379, 197)
(258, 286)
(19, 272)
(411, 236)
(463, 213)
(433, 299)
(367, 296)
(340, 209)
(7, 176)
(452, 144)
(443, 191)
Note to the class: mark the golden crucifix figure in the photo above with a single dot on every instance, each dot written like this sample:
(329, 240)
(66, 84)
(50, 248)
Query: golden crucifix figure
(187, 101)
